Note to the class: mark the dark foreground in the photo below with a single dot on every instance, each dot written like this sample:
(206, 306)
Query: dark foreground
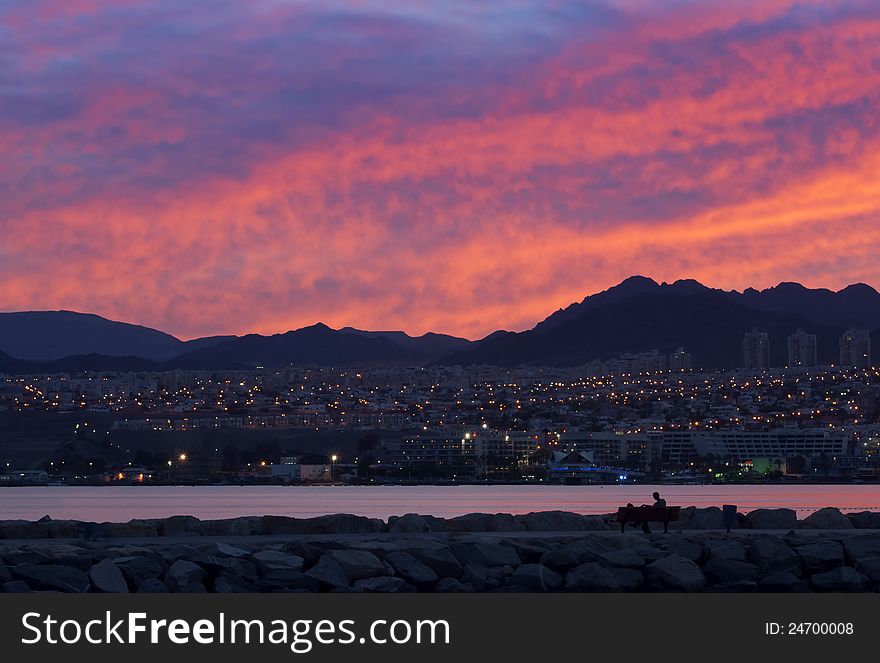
(768, 551)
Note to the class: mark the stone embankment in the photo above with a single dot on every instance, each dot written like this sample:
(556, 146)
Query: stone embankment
(770, 550)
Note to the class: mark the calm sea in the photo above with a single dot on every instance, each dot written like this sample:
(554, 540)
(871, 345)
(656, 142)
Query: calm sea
(120, 503)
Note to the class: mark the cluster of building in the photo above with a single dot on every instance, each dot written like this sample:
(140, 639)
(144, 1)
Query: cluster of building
(854, 345)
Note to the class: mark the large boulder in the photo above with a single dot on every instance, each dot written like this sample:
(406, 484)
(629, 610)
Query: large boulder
(870, 566)
(770, 554)
(708, 518)
(865, 519)
(410, 522)
(591, 577)
(15, 587)
(183, 573)
(485, 553)
(772, 519)
(268, 561)
(484, 522)
(106, 577)
(131, 529)
(561, 521)
(226, 550)
(358, 564)
(231, 584)
(64, 529)
(152, 586)
(341, 523)
(329, 573)
(676, 573)
(822, 555)
(725, 549)
(138, 568)
(721, 570)
(827, 518)
(52, 577)
(841, 579)
(438, 558)
(693, 550)
(5, 573)
(23, 529)
(574, 553)
(626, 558)
(537, 578)
(451, 585)
(182, 526)
(243, 526)
(411, 569)
(862, 547)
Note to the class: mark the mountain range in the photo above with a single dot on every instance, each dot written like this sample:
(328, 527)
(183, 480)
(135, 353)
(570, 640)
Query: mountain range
(636, 315)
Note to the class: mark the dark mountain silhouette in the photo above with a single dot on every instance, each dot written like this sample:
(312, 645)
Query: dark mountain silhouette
(641, 315)
(317, 344)
(637, 315)
(50, 335)
(428, 345)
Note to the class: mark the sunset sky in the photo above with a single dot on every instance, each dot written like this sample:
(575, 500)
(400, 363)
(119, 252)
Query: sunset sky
(224, 166)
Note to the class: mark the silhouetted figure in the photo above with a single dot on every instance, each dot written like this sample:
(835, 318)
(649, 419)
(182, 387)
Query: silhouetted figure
(659, 502)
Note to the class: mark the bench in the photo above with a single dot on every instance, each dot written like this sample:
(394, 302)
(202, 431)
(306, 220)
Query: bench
(647, 514)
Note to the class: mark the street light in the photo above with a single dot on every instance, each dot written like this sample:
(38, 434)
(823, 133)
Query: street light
(332, 467)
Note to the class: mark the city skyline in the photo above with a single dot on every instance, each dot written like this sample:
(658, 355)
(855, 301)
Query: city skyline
(425, 168)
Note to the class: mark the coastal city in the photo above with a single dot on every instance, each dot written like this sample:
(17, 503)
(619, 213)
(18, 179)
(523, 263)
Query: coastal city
(648, 417)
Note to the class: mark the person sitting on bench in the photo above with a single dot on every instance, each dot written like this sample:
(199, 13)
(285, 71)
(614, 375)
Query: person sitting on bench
(659, 502)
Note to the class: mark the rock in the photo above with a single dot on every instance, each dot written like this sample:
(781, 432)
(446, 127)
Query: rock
(182, 526)
(770, 554)
(64, 529)
(782, 581)
(411, 569)
(841, 579)
(485, 522)
(383, 584)
(857, 547)
(229, 527)
(530, 551)
(692, 550)
(822, 555)
(676, 573)
(137, 569)
(358, 564)
(183, 573)
(106, 577)
(410, 522)
(452, 585)
(438, 558)
(225, 550)
(721, 570)
(234, 566)
(341, 523)
(870, 566)
(476, 576)
(23, 529)
(561, 521)
(772, 519)
(310, 553)
(485, 554)
(537, 578)
(15, 557)
(5, 573)
(15, 587)
(725, 549)
(625, 559)
(152, 586)
(194, 588)
(865, 519)
(131, 529)
(708, 518)
(275, 560)
(52, 577)
(574, 554)
(287, 580)
(328, 572)
(591, 577)
(827, 518)
(230, 584)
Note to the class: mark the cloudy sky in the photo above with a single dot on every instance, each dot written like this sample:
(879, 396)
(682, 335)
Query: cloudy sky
(224, 166)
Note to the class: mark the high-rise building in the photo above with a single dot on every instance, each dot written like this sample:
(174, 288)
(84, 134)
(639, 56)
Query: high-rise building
(802, 350)
(756, 350)
(855, 349)
(680, 360)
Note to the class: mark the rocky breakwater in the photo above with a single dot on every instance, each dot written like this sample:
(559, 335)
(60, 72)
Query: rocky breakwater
(543, 552)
